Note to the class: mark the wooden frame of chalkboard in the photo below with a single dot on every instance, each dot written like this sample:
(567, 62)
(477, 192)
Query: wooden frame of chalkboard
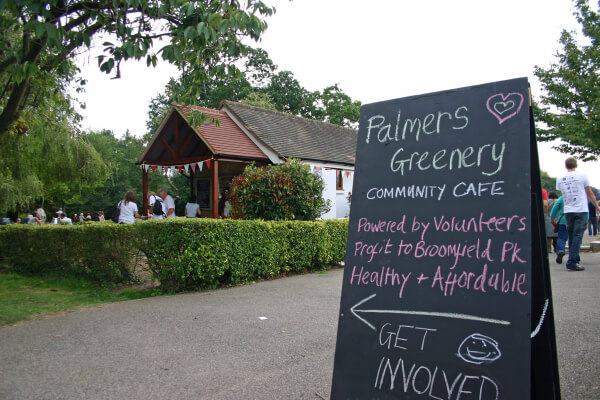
(444, 258)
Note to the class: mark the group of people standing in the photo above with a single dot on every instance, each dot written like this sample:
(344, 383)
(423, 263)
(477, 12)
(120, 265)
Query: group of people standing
(161, 205)
(573, 212)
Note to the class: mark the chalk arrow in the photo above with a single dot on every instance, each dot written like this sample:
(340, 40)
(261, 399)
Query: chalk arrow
(355, 311)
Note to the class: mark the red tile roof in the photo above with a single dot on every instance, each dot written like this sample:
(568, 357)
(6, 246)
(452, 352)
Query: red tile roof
(292, 136)
(227, 139)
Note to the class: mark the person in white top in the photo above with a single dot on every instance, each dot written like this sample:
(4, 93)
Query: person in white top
(64, 220)
(192, 210)
(153, 198)
(129, 210)
(168, 204)
(576, 191)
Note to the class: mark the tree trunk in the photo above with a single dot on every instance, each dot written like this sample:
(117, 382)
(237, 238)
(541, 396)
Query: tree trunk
(14, 107)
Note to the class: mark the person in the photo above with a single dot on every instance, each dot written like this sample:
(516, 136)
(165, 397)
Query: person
(37, 218)
(551, 236)
(41, 214)
(81, 218)
(129, 210)
(576, 192)
(224, 206)
(192, 210)
(58, 216)
(168, 204)
(592, 220)
(30, 219)
(557, 216)
(75, 218)
(153, 198)
(227, 205)
(101, 216)
(64, 220)
(545, 200)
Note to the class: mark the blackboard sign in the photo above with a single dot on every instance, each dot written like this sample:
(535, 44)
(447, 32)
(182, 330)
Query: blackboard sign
(436, 298)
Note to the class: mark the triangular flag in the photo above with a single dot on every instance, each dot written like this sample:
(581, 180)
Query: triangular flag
(180, 168)
(193, 167)
(153, 168)
(200, 164)
(207, 163)
(347, 174)
(146, 166)
(166, 170)
(318, 169)
(187, 167)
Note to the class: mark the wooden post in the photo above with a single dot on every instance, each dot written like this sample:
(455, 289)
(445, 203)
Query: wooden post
(215, 185)
(191, 182)
(145, 191)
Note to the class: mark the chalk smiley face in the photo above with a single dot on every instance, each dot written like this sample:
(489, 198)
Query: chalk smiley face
(479, 349)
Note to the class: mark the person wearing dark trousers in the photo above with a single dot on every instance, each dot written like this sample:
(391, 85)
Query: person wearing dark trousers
(576, 192)
(592, 220)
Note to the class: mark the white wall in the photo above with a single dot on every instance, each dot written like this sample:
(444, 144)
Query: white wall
(338, 198)
(329, 193)
(342, 206)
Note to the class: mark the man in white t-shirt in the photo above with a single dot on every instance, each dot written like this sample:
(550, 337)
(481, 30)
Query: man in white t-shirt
(576, 191)
(153, 198)
(168, 203)
(64, 220)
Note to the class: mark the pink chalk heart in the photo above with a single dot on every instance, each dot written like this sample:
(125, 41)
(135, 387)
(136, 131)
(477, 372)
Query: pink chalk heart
(504, 107)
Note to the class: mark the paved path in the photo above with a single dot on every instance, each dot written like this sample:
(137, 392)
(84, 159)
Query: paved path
(271, 340)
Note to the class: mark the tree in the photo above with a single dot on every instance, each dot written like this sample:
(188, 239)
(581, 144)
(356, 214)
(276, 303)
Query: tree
(570, 107)
(548, 182)
(39, 39)
(259, 99)
(278, 192)
(338, 107)
(51, 162)
(260, 85)
(121, 154)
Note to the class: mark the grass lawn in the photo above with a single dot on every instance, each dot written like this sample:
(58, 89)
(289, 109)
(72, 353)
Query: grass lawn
(25, 297)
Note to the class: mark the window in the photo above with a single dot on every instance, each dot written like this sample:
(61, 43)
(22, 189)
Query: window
(339, 180)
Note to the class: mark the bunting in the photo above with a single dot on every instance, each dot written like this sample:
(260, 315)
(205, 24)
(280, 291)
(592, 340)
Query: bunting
(182, 167)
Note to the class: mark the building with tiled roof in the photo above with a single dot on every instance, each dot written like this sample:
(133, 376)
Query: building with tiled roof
(286, 135)
(213, 153)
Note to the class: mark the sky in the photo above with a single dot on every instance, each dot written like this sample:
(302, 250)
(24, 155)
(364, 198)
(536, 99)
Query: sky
(375, 50)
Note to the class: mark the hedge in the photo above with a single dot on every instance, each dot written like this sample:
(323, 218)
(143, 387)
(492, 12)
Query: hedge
(181, 253)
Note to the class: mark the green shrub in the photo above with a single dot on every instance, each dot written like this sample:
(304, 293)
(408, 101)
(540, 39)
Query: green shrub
(278, 192)
(183, 254)
(103, 252)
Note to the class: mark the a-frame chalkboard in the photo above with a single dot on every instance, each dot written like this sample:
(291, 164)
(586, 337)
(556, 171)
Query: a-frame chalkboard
(446, 291)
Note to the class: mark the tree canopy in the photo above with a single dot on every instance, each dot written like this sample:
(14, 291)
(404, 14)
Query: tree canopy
(262, 85)
(38, 40)
(570, 106)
